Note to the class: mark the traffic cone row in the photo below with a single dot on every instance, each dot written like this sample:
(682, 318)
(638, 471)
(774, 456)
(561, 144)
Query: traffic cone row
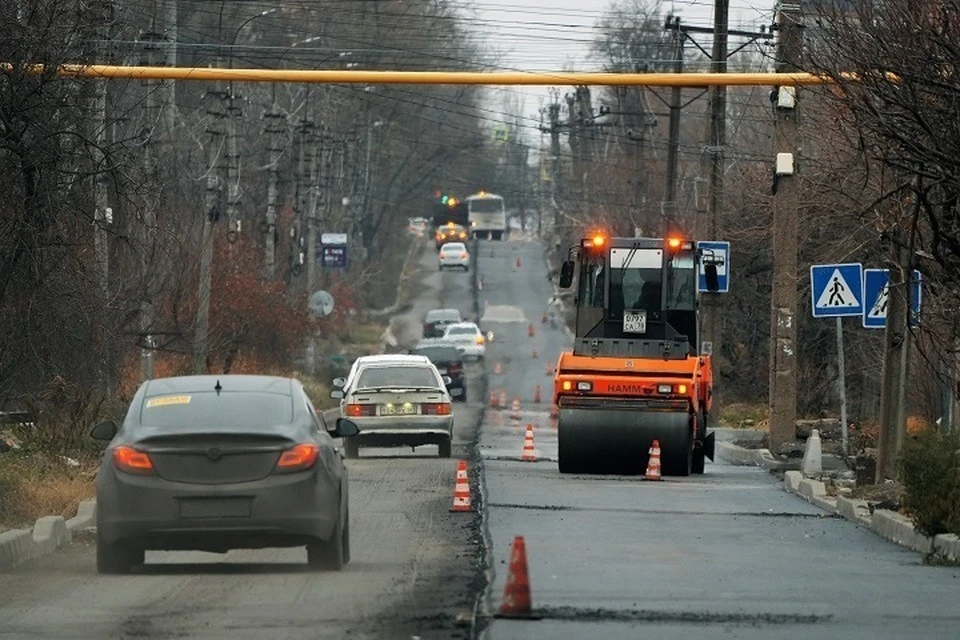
(461, 491)
(653, 466)
(529, 454)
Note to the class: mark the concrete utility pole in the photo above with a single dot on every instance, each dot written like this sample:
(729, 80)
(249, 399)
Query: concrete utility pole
(317, 156)
(893, 392)
(275, 128)
(167, 90)
(676, 104)
(553, 114)
(783, 307)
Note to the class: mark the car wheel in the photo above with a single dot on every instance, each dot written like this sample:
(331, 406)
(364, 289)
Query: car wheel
(351, 448)
(327, 555)
(116, 557)
(446, 448)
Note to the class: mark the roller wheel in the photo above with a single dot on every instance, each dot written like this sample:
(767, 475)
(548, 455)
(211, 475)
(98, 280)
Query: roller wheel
(676, 454)
(570, 458)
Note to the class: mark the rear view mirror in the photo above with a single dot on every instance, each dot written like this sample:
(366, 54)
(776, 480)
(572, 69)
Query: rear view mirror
(566, 274)
(336, 394)
(104, 431)
(456, 393)
(339, 382)
(447, 380)
(345, 428)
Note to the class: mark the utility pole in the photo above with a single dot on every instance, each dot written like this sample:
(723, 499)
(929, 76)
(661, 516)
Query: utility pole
(676, 104)
(274, 126)
(893, 392)
(553, 111)
(710, 329)
(317, 156)
(167, 91)
(783, 307)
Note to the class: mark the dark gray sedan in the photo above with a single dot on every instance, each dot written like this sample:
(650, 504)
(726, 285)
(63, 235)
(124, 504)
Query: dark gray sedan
(215, 463)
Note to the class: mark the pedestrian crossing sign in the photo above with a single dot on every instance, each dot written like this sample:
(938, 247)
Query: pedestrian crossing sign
(837, 290)
(876, 289)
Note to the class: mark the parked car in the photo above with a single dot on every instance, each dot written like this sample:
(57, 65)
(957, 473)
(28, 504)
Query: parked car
(396, 400)
(436, 321)
(215, 463)
(448, 360)
(450, 232)
(454, 254)
(468, 338)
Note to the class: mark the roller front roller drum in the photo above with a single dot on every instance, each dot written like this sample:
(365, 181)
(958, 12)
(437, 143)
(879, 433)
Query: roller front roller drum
(612, 441)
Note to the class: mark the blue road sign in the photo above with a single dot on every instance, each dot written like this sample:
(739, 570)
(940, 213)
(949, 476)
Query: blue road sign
(334, 256)
(717, 253)
(836, 290)
(876, 295)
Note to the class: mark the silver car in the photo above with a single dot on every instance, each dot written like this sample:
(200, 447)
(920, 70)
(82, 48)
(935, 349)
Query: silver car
(396, 400)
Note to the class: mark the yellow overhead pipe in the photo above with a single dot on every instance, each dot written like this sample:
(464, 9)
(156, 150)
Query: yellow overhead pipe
(354, 76)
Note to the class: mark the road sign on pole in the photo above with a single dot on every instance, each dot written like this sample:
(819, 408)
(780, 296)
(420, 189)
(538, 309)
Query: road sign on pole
(836, 289)
(876, 294)
(717, 253)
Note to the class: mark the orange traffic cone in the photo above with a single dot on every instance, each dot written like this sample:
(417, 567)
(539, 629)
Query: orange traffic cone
(543, 320)
(493, 399)
(536, 395)
(653, 466)
(461, 491)
(516, 408)
(516, 594)
(529, 454)
(497, 369)
(518, 262)
(531, 330)
(503, 400)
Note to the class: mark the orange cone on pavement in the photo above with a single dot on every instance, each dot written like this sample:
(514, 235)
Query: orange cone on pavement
(516, 408)
(543, 320)
(536, 395)
(531, 330)
(497, 368)
(461, 491)
(529, 454)
(518, 262)
(516, 594)
(503, 400)
(493, 399)
(653, 466)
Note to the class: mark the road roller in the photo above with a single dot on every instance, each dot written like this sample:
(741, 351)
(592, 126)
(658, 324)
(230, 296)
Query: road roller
(636, 372)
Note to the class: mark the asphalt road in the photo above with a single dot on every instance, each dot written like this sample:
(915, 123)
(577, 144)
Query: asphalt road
(726, 554)
(414, 567)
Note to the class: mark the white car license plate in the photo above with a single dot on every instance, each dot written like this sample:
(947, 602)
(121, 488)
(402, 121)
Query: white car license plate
(634, 321)
(398, 410)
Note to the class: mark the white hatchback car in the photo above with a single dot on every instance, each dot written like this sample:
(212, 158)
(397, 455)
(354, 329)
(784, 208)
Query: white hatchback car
(454, 254)
(401, 400)
(467, 337)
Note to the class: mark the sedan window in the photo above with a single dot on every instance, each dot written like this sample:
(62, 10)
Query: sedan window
(462, 331)
(397, 377)
(208, 410)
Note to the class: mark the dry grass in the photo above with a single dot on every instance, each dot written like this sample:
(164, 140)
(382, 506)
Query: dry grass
(34, 485)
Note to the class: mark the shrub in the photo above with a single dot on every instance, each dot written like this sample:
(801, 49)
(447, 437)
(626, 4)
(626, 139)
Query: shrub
(930, 471)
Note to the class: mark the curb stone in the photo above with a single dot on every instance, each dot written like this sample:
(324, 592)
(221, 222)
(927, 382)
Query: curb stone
(889, 525)
(48, 534)
(743, 457)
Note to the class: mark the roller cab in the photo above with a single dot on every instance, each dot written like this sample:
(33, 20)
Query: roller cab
(635, 374)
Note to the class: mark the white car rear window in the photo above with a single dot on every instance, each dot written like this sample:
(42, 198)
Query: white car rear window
(398, 377)
(461, 331)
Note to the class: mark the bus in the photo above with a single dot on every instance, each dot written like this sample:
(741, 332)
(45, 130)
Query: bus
(488, 217)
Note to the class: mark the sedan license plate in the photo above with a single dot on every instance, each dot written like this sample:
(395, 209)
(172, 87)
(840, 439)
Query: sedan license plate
(399, 410)
(634, 321)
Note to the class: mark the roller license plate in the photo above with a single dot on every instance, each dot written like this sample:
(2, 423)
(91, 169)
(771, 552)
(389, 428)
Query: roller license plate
(634, 321)
(399, 410)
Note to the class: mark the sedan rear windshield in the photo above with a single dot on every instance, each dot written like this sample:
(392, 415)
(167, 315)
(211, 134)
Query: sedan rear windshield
(397, 377)
(460, 331)
(454, 246)
(438, 354)
(209, 410)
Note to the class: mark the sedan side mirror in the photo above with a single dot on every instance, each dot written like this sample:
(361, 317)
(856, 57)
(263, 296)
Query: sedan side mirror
(105, 431)
(447, 380)
(336, 393)
(339, 382)
(345, 428)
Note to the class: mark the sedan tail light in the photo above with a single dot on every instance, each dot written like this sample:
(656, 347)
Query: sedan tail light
(360, 410)
(298, 458)
(129, 460)
(464, 255)
(442, 255)
(436, 408)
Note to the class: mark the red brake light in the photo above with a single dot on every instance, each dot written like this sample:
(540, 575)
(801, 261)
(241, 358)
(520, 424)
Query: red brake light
(360, 410)
(298, 458)
(442, 256)
(130, 460)
(436, 408)
(463, 255)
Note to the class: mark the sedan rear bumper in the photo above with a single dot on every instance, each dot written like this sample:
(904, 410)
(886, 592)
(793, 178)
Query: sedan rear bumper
(276, 511)
(404, 431)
